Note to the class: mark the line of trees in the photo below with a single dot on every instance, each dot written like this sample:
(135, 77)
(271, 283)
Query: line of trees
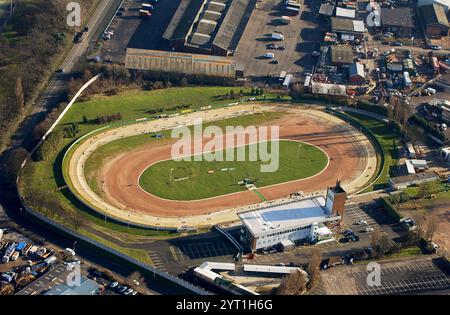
(104, 119)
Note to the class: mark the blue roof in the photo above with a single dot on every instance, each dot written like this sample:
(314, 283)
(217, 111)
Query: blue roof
(87, 287)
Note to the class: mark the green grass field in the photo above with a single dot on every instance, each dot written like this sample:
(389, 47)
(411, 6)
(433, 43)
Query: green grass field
(137, 104)
(46, 176)
(386, 137)
(190, 180)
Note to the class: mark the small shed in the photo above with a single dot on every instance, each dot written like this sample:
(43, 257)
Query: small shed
(356, 73)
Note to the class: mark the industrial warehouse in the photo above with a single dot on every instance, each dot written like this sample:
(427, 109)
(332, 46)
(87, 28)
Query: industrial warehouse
(288, 223)
(200, 36)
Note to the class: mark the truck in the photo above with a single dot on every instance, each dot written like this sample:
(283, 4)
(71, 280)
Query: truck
(14, 256)
(50, 260)
(277, 36)
(282, 76)
(8, 252)
(148, 7)
(26, 250)
(287, 80)
(144, 14)
(32, 250)
(284, 20)
(21, 246)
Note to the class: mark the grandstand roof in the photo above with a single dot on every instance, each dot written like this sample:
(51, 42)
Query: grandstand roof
(281, 217)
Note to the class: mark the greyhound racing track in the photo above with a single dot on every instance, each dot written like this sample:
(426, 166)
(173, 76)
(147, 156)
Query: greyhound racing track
(351, 159)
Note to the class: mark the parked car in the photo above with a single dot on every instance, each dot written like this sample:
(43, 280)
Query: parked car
(128, 292)
(361, 222)
(113, 284)
(369, 229)
(396, 44)
(436, 47)
(122, 289)
(274, 61)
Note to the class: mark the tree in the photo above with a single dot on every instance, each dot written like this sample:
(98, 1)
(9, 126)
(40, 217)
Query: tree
(20, 100)
(50, 145)
(314, 267)
(77, 220)
(293, 284)
(14, 160)
(430, 228)
(427, 189)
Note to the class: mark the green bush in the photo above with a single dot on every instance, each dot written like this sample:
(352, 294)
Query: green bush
(49, 146)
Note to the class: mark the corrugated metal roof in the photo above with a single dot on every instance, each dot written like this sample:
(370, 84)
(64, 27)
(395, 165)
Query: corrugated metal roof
(343, 12)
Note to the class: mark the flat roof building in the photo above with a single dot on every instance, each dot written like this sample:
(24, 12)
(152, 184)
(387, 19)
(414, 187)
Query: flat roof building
(347, 26)
(326, 9)
(341, 55)
(345, 13)
(401, 182)
(297, 220)
(399, 21)
(86, 287)
(434, 20)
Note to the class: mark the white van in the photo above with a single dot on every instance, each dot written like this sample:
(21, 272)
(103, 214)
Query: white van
(269, 55)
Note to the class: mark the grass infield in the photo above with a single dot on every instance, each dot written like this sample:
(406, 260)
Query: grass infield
(192, 180)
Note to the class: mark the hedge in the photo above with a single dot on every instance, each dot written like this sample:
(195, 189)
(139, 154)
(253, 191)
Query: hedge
(370, 107)
(419, 120)
(389, 207)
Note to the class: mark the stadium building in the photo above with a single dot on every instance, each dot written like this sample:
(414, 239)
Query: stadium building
(203, 36)
(295, 221)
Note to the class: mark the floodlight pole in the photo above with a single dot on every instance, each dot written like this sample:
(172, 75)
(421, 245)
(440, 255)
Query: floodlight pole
(170, 179)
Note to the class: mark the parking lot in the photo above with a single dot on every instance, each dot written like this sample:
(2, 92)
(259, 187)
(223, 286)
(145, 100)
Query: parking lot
(132, 31)
(406, 276)
(202, 250)
(375, 216)
(302, 37)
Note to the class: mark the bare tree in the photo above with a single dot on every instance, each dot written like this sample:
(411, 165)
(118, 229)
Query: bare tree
(77, 219)
(20, 99)
(375, 237)
(431, 228)
(293, 284)
(314, 266)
